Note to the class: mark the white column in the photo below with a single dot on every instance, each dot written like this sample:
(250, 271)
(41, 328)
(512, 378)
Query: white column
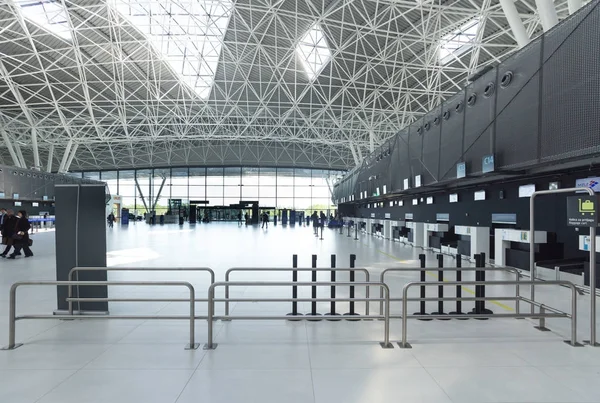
(515, 22)
(65, 157)
(574, 5)
(36, 152)
(360, 156)
(70, 160)
(11, 150)
(547, 13)
(354, 155)
(20, 155)
(50, 157)
(371, 141)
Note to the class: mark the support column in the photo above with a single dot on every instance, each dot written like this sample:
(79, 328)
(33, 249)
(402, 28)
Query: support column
(36, 152)
(547, 13)
(515, 22)
(574, 5)
(354, 155)
(65, 157)
(11, 150)
(371, 141)
(360, 156)
(70, 160)
(20, 155)
(50, 157)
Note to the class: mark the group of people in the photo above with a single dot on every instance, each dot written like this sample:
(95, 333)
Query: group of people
(318, 220)
(15, 233)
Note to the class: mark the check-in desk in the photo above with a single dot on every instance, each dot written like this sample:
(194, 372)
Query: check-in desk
(387, 229)
(503, 238)
(395, 233)
(478, 242)
(429, 229)
(362, 224)
(584, 244)
(377, 227)
(417, 233)
(369, 226)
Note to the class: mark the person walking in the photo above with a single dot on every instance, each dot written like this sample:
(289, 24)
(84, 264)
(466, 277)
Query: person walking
(265, 220)
(110, 219)
(315, 220)
(247, 218)
(240, 219)
(21, 235)
(8, 229)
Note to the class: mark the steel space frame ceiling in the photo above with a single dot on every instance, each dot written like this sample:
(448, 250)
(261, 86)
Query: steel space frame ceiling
(97, 89)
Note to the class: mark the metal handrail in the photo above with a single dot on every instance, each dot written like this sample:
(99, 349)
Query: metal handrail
(13, 302)
(308, 269)
(456, 269)
(70, 298)
(211, 300)
(404, 343)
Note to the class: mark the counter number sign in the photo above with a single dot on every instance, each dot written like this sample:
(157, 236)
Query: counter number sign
(582, 211)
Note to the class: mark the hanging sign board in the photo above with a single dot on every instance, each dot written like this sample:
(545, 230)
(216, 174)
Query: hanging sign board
(582, 211)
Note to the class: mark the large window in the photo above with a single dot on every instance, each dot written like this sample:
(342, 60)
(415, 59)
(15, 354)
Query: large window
(290, 188)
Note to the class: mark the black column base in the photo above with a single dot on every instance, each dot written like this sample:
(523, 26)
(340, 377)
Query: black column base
(481, 312)
(440, 313)
(314, 318)
(349, 316)
(294, 314)
(460, 313)
(332, 316)
(423, 319)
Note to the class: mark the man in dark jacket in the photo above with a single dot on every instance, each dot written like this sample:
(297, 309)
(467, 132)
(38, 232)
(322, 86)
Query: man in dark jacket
(8, 230)
(21, 235)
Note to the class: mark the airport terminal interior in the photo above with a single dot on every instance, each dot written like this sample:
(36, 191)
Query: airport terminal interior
(303, 201)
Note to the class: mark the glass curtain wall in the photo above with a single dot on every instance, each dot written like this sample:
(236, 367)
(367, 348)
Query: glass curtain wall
(280, 188)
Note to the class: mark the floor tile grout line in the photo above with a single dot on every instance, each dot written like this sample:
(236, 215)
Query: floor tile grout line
(312, 379)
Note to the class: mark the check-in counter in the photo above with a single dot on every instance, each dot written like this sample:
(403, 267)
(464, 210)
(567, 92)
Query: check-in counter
(387, 229)
(369, 226)
(363, 224)
(377, 227)
(429, 229)
(479, 241)
(395, 230)
(503, 238)
(418, 230)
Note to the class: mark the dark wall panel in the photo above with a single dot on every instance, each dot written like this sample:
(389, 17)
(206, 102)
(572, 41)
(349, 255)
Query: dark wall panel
(415, 150)
(479, 117)
(399, 167)
(518, 108)
(571, 88)
(431, 146)
(451, 137)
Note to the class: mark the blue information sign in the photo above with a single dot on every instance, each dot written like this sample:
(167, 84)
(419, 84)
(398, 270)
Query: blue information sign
(487, 164)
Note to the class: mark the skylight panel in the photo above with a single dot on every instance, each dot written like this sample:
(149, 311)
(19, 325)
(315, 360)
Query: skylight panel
(48, 14)
(187, 33)
(458, 41)
(313, 52)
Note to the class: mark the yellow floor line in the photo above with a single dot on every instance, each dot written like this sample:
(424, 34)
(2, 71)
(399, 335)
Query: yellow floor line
(434, 275)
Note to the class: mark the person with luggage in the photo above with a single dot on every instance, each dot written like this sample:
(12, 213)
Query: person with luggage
(21, 236)
(315, 220)
(110, 219)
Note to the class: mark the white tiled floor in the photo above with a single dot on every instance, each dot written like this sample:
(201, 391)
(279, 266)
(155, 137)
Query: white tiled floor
(131, 361)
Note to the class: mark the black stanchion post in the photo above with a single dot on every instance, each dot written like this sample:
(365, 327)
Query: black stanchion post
(356, 231)
(349, 228)
(352, 273)
(313, 311)
(422, 288)
(322, 225)
(459, 289)
(294, 288)
(483, 309)
(440, 311)
(332, 311)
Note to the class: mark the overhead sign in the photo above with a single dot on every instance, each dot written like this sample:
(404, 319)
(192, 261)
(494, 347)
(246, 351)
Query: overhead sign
(582, 211)
(372, 215)
(461, 170)
(408, 216)
(487, 164)
(388, 215)
(591, 183)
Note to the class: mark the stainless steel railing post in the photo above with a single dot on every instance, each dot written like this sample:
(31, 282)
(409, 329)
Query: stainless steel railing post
(367, 294)
(192, 345)
(12, 318)
(227, 293)
(404, 342)
(518, 294)
(573, 316)
(386, 325)
(211, 297)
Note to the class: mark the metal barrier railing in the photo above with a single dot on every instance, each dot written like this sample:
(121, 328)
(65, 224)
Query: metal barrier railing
(70, 298)
(13, 302)
(291, 269)
(542, 315)
(517, 273)
(211, 300)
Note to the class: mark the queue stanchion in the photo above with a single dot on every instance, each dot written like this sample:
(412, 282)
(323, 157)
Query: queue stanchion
(422, 288)
(440, 311)
(313, 311)
(459, 289)
(342, 228)
(322, 225)
(349, 228)
(352, 279)
(480, 288)
(332, 313)
(294, 289)
(356, 231)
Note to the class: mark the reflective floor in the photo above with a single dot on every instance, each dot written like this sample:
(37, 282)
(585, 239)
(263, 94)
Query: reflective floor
(125, 361)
